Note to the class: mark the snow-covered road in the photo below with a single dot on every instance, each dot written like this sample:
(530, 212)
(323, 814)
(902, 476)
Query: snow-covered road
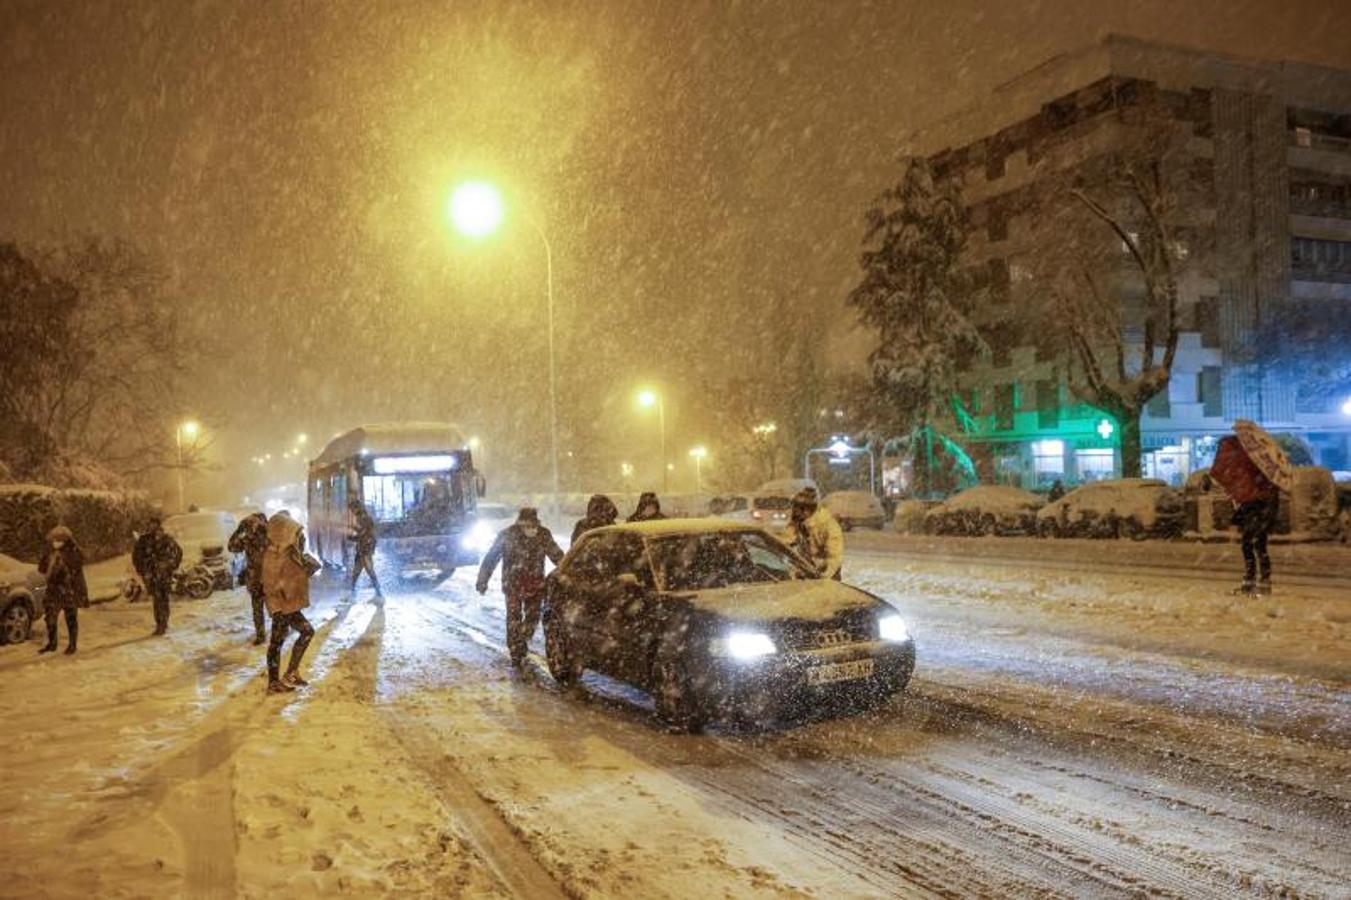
(1066, 733)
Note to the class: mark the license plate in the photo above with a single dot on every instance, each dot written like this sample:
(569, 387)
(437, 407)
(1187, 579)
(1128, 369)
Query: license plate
(845, 671)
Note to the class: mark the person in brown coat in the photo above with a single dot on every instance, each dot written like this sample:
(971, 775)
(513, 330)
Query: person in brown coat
(63, 564)
(286, 590)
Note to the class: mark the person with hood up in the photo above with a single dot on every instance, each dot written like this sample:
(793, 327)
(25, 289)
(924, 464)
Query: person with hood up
(250, 538)
(63, 564)
(814, 533)
(156, 557)
(286, 589)
(521, 548)
(362, 536)
(600, 511)
(648, 509)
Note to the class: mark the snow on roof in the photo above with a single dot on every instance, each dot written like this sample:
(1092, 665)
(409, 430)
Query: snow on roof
(993, 497)
(389, 438)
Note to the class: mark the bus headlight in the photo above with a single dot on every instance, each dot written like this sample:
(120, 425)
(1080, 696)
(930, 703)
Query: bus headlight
(479, 537)
(892, 628)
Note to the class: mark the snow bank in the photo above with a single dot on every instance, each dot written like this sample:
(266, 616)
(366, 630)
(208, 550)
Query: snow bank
(993, 498)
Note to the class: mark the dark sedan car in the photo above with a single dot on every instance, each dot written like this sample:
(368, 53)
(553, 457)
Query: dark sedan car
(714, 619)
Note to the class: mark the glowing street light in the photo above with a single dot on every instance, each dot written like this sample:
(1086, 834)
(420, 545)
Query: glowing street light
(648, 399)
(191, 429)
(699, 454)
(476, 210)
(764, 430)
(1346, 407)
(302, 439)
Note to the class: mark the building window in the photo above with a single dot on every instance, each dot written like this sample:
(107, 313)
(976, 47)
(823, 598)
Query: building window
(1048, 461)
(997, 227)
(1314, 257)
(1048, 403)
(1158, 406)
(1005, 403)
(1208, 390)
(1170, 464)
(1303, 137)
(1095, 465)
(1207, 320)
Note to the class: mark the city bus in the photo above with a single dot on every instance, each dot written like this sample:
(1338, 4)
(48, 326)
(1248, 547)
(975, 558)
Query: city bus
(417, 480)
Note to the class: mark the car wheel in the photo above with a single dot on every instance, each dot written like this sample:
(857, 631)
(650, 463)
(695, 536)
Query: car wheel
(198, 588)
(675, 701)
(16, 623)
(562, 665)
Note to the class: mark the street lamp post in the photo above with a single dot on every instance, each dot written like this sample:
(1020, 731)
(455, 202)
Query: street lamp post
(650, 399)
(476, 210)
(190, 429)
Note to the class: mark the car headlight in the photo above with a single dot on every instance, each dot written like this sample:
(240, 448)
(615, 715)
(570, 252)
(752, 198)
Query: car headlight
(480, 537)
(892, 628)
(746, 645)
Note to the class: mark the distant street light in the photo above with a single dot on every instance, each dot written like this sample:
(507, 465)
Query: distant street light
(476, 210)
(648, 399)
(191, 429)
(302, 439)
(698, 454)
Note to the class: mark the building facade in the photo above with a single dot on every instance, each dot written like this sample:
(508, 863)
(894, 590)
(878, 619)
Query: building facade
(1263, 252)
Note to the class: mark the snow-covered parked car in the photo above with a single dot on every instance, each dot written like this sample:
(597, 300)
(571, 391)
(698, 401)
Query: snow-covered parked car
(1126, 507)
(204, 537)
(717, 618)
(986, 509)
(855, 509)
(731, 506)
(21, 592)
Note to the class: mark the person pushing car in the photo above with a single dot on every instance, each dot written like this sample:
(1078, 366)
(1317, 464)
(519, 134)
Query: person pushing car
(521, 548)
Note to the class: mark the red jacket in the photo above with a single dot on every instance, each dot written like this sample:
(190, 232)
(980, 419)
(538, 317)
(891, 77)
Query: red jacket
(1238, 475)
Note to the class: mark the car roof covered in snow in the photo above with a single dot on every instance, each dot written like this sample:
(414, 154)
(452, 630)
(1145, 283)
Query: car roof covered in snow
(661, 527)
(993, 496)
(390, 438)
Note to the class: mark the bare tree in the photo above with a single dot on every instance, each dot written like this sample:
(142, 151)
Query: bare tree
(1117, 359)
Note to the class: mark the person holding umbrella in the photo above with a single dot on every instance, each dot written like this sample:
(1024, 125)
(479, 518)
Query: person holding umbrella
(1253, 470)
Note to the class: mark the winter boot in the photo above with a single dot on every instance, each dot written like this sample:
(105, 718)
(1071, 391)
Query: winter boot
(1247, 589)
(1264, 587)
(49, 647)
(294, 680)
(73, 632)
(279, 687)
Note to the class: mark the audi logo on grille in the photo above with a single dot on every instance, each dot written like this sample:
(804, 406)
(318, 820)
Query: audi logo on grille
(831, 638)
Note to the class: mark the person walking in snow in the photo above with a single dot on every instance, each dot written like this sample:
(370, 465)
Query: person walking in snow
(1256, 502)
(600, 511)
(63, 564)
(155, 557)
(521, 548)
(648, 509)
(250, 538)
(814, 533)
(362, 537)
(286, 589)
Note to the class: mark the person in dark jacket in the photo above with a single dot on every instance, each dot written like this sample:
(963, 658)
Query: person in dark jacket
(1057, 491)
(521, 548)
(600, 511)
(63, 564)
(250, 538)
(648, 509)
(156, 557)
(362, 537)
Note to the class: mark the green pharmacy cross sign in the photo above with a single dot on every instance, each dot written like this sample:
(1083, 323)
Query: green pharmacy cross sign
(1105, 429)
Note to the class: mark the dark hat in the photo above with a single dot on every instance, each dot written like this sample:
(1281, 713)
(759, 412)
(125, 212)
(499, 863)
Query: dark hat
(528, 514)
(805, 497)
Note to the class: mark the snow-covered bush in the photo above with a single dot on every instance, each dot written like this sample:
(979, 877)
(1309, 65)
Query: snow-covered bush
(103, 521)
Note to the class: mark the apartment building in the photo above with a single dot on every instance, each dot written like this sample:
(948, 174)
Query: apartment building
(1263, 241)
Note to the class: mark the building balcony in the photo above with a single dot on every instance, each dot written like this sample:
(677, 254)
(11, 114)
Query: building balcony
(1313, 140)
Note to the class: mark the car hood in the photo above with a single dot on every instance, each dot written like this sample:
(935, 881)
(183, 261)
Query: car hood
(812, 599)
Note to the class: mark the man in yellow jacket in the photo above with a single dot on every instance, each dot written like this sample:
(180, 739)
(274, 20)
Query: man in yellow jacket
(814, 533)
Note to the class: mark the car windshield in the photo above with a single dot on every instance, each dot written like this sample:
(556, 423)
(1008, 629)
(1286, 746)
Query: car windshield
(773, 502)
(717, 559)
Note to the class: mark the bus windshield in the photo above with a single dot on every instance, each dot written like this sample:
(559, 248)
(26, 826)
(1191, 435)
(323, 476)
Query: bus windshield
(425, 501)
